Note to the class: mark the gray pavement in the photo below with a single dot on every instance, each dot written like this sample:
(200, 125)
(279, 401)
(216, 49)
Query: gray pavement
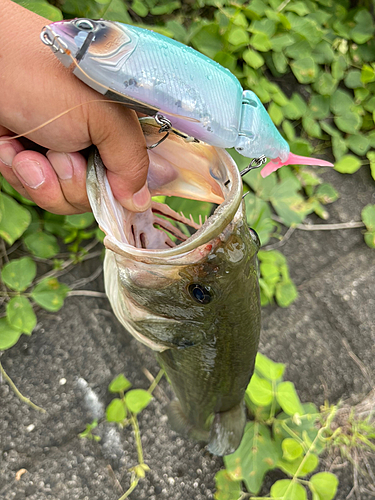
(67, 364)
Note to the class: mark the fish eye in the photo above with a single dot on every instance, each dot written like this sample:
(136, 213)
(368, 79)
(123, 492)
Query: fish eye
(200, 293)
(85, 24)
(255, 237)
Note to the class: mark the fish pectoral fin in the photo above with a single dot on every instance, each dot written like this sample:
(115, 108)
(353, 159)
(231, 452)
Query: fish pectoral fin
(180, 423)
(227, 430)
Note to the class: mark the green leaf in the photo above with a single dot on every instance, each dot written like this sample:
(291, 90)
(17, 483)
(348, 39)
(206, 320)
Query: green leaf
(285, 489)
(253, 58)
(341, 102)
(227, 60)
(371, 156)
(339, 147)
(18, 274)
(364, 29)
(368, 217)
(289, 205)
(8, 334)
(305, 70)
(326, 193)
(21, 315)
(119, 384)
(258, 216)
(208, 40)
(260, 391)
(325, 84)
(14, 219)
(299, 8)
(288, 399)
(117, 11)
(50, 294)
(311, 126)
(260, 42)
(275, 113)
(80, 221)
(338, 68)
(256, 455)
(349, 122)
(310, 463)
(319, 107)
(286, 293)
(42, 8)
(280, 62)
(292, 449)
(167, 8)
(323, 53)
(353, 79)
(358, 143)
(226, 487)
(367, 74)
(137, 399)
(238, 36)
(42, 244)
(268, 368)
(370, 239)
(323, 486)
(116, 411)
(295, 108)
(348, 164)
(280, 42)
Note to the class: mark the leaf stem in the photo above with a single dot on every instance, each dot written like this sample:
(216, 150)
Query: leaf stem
(156, 381)
(17, 392)
(137, 436)
(132, 487)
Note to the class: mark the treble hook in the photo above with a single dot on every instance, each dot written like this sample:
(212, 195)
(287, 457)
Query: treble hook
(255, 163)
(165, 126)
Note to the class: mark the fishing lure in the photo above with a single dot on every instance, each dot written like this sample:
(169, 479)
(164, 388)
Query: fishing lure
(177, 85)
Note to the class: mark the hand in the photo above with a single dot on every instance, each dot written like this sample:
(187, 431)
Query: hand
(34, 88)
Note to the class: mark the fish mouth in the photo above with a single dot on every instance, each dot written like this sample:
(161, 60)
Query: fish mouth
(178, 167)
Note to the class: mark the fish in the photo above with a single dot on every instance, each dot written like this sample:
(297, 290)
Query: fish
(161, 77)
(196, 303)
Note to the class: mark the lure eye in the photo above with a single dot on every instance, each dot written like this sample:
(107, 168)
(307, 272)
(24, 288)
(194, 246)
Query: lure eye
(85, 24)
(200, 293)
(255, 237)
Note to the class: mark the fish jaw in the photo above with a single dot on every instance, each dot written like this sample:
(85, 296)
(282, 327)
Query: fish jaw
(293, 159)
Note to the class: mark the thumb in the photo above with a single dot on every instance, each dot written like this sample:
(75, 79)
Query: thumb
(116, 132)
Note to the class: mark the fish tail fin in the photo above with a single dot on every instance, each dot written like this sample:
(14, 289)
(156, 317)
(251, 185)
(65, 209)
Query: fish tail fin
(180, 423)
(227, 430)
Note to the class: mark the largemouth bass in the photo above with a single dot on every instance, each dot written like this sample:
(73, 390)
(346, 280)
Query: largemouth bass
(196, 303)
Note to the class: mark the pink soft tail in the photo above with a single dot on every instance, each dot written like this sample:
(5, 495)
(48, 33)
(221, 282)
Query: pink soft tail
(272, 166)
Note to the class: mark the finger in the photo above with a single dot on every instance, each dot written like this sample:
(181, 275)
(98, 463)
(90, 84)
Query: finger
(8, 151)
(70, 169)
(8, 148)
(41, 183)
(118, 135)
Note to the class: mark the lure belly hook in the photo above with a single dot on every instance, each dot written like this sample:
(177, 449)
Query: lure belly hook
(154, 75)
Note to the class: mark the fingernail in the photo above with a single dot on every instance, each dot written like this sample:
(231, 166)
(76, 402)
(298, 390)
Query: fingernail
(29, 172)
(7, 153)
(142, 199)
(62, 164)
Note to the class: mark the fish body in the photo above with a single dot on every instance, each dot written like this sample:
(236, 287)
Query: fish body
(152, 73)
(197, 303)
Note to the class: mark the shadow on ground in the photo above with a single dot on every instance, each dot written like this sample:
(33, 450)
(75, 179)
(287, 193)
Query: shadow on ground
(67, 364)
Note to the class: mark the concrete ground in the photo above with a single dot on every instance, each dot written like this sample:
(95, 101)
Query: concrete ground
(327, 339)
